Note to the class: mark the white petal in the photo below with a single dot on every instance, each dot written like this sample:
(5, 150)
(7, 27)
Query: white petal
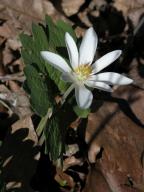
(56, 61)
(99, 85)
(72, 50)
(111, 78)
(88, 47)
(83, 97)
(106, 60)
(66, 77)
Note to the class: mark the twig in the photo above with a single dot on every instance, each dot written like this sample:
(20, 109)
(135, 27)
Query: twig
(5, 105)
(17, 77)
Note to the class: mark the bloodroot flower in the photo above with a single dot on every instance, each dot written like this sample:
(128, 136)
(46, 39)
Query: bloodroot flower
(82, 73)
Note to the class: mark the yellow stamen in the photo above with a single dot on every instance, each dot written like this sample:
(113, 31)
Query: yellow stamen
(83, 71)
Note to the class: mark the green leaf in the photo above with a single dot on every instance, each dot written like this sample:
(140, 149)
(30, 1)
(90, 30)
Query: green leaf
(27, 49)
(33, 45)
(42, 80)
(83, 113)
(65, 27)
(56, 33)
(26, 41)
(55, 132)
(53, 136)
(39, 90)
(52, 38)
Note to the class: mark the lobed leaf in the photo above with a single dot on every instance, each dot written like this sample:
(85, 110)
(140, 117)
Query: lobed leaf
(56, 35)
(54, 144)
(41, 97)
(42, 79)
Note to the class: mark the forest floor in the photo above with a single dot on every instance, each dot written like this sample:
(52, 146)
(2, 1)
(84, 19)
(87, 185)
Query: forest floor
(114, 135)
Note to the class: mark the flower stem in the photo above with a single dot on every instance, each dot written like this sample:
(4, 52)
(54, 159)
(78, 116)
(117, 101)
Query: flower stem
(43, 122)
(68, 91)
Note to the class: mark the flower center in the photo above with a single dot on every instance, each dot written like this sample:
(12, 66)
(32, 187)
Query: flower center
(83, 72)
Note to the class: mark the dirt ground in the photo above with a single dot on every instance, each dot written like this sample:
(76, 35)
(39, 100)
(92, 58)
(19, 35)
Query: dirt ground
(110, 151)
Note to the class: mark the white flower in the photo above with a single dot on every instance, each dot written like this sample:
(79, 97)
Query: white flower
(83, 73)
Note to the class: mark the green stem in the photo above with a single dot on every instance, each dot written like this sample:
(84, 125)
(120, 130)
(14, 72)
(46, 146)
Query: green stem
(68, 91)
(43, 121)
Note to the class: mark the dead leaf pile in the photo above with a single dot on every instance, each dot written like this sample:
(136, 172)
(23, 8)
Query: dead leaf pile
(111, 158)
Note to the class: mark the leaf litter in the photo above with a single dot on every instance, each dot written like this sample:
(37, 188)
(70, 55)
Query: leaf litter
(123, 143)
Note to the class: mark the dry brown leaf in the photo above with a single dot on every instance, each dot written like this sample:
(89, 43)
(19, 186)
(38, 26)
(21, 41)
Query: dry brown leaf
(7, 56)
(97, 4)
(96, 182)
(93, 151)
(131, 8)
(62, 177)
(71, 7)
(18, 101)
(13, 77)
(71, 149)
(14, 44)
(118, 126)
(71, 161)
(22, 107)
(21, 13)
(20, 155)
(84, 18)
(5, 31)
(75, 124)
(26, 122)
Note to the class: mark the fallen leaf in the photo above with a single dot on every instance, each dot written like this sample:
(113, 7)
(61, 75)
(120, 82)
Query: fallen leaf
(71, 7)
(118, 126)
(21, 153)
(71, 161)
(64, 179)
